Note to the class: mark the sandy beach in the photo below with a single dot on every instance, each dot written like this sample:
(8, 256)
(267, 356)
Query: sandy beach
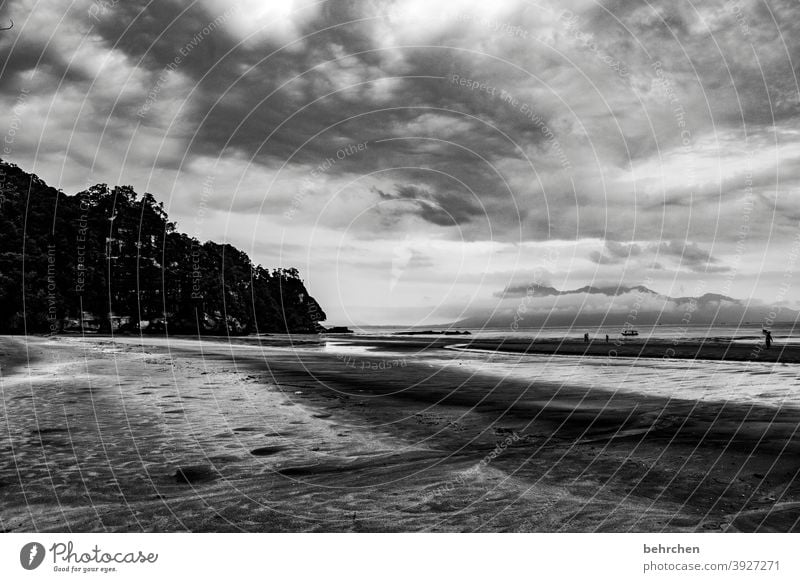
(375, 434)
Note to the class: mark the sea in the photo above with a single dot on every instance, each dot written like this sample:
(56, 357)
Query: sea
(775, 385)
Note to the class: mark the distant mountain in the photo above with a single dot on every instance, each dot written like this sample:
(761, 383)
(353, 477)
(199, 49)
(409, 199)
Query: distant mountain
(545, 291)
(539, 305)
(109, 258)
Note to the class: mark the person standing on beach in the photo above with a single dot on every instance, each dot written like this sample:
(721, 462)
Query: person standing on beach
(768, 338)
(586, 338)
(606, 338)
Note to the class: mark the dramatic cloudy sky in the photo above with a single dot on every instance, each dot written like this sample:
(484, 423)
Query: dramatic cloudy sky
(503, 143)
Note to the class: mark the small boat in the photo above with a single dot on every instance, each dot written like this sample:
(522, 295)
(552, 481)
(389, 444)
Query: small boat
(629, 332)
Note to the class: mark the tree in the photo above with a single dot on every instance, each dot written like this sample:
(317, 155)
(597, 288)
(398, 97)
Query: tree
(110, 251)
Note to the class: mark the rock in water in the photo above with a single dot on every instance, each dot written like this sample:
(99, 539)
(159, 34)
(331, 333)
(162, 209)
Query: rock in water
(195, 474)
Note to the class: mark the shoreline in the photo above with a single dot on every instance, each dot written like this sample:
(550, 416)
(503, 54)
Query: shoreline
(716, 349)
(721, 350)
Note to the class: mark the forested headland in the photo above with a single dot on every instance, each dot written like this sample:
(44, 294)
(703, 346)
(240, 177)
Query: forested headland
(110, 259)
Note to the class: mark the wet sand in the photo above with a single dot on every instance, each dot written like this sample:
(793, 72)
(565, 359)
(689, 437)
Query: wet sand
(711, 349)
(151, 434)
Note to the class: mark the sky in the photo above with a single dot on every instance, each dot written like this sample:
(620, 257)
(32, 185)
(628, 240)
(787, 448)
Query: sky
(421, 162)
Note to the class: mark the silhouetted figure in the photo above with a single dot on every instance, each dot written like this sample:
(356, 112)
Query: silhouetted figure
(768, 338)
(606, 338)
(586, 338)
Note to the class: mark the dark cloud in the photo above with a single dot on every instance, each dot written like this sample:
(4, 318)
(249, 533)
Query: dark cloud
(690, 255)
(615, 253)
(440, 208)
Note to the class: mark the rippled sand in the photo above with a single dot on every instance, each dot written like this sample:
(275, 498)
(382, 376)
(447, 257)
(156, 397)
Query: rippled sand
(153, 434)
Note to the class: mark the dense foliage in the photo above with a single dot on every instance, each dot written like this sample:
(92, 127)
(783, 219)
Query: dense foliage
(107, 258)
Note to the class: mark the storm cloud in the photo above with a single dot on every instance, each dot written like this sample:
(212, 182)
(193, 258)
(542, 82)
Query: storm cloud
(634, 139)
